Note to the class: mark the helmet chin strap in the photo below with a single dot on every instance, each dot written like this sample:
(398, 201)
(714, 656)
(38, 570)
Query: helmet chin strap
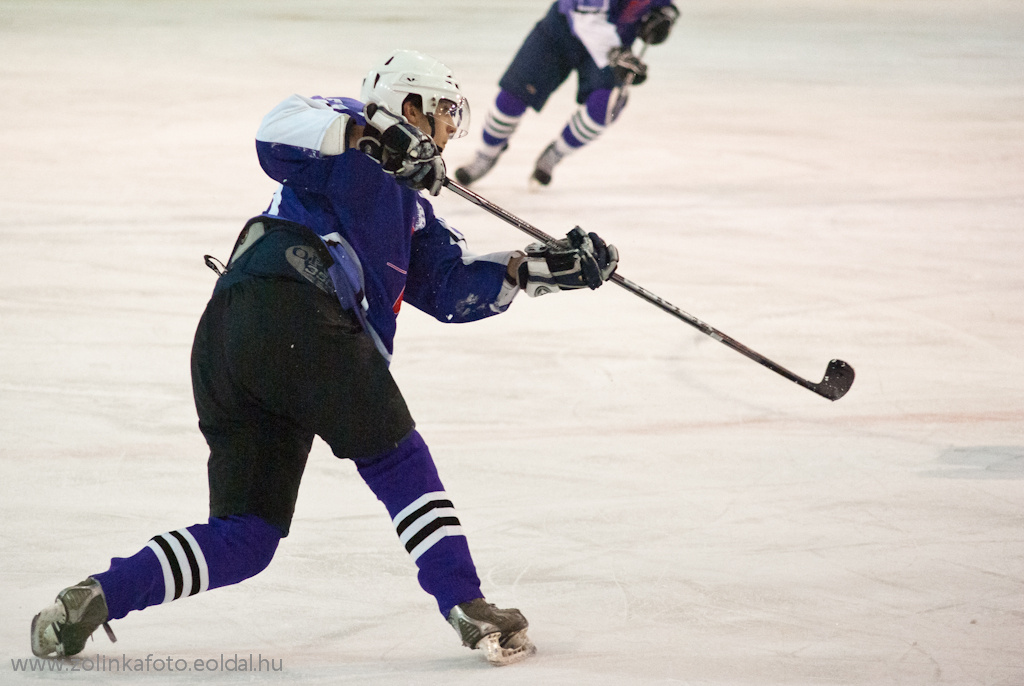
(430, 118)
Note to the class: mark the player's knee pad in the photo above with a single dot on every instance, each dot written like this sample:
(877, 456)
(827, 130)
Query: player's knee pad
(246, 542)
(220, 553)
(596, 106)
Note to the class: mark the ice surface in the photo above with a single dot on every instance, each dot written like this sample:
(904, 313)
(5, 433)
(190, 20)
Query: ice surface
(816, 179)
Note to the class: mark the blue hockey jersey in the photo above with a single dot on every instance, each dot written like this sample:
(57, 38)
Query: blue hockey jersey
(387, 244)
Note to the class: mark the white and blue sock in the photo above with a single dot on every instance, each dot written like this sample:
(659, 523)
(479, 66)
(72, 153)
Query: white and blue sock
(406, 481)
(501, 122)
(586, 125)
(182, 563)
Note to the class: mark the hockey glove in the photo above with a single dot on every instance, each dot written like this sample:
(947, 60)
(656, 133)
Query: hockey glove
(626, 67)
(579, 260)
(404, 151)
(656, 24)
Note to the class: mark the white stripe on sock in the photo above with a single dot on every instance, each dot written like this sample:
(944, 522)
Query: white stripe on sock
(183, 565)
(423, 521)
(417, 504)
(428, 542)
(204, 571)
(165, 566)
(501, 126)
(583, 126)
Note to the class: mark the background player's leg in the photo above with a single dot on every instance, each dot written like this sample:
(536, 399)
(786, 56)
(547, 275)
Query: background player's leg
(543, 62)
(586, 124)
(500, 124)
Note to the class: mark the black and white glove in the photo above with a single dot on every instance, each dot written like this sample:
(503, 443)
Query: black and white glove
(580, 260)
(403, 151)
(656, 24)
(626, 67)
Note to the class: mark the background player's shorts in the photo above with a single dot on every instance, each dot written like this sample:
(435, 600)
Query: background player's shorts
(545, 60)
(274, 363)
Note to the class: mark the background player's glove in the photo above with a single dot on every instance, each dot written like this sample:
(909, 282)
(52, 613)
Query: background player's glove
(403, 151)
(580, 260)
(623, 63)
(656, 24)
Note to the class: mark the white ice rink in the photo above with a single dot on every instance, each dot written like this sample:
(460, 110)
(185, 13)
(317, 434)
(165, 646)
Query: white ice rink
(817, 179)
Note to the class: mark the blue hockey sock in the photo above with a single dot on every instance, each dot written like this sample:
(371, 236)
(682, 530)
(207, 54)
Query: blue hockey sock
(406, 481)
(502, 120)
(181, 563)
(586, 124)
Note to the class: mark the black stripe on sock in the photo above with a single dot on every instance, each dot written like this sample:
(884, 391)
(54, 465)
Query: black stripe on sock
(192, 562)
(429, 529)
(412, 517)
(173, 561)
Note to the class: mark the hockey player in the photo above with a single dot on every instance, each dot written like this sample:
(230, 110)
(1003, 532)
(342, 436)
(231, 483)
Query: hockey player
(296, 340)
(592, 37)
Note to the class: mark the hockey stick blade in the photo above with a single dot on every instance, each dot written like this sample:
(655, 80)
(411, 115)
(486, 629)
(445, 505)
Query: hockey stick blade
(838, 376)
(838, 379)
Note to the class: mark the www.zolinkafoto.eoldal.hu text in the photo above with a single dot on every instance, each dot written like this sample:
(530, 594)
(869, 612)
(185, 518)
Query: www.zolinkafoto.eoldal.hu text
(150, 663)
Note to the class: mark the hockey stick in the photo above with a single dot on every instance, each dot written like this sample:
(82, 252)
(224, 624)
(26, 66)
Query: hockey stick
(620, 94)
(838, 375)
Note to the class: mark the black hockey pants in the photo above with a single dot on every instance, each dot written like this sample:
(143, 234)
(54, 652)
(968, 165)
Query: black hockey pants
(275, 362)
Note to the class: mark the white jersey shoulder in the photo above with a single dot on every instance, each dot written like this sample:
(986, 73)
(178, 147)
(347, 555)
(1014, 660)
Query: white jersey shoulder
(304, 123)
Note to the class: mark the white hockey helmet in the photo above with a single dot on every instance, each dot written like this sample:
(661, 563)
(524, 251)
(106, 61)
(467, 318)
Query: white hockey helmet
(407, 72)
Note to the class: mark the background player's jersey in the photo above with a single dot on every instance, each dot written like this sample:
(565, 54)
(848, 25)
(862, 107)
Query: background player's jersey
(387, 244)
(605, 24)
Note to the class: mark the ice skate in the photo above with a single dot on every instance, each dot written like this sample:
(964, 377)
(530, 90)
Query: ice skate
(478, 167)
(501, 634)
(62, 629)
(545, 165)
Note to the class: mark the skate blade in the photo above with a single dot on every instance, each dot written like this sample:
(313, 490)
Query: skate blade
(519, 648)
(44, 637)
